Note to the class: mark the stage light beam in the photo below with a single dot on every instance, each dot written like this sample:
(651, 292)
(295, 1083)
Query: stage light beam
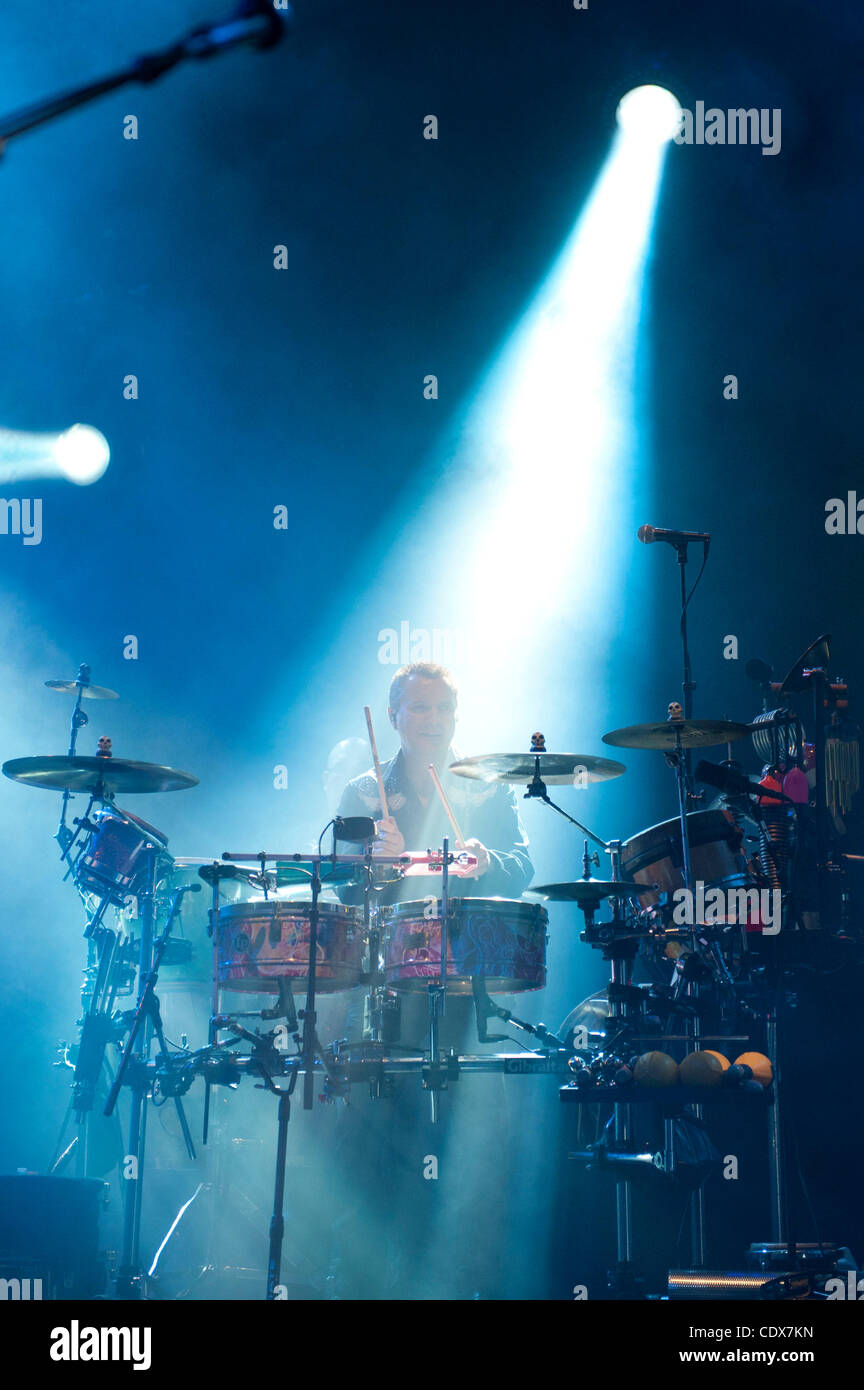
(649, 114)
(556, 426)
(80, 454)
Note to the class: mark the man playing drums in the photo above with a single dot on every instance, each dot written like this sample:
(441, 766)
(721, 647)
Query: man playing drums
(422, 710)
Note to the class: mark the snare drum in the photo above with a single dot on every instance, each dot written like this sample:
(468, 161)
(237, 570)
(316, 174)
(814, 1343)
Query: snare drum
(260, 943)
(654, 856)
(500, 940)
(113, 863)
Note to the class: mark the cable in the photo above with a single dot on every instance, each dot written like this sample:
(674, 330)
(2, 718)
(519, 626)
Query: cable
(696, 580)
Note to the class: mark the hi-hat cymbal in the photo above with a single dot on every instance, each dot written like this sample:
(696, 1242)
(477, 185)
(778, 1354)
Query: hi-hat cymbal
(556, 769)
(694, 733)
(88, 692)
(587, 890)
(80, 774)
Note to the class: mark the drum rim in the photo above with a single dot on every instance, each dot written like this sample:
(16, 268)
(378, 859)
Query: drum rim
(108, 813)
(257, 907)
(728, 831)
(419, 907)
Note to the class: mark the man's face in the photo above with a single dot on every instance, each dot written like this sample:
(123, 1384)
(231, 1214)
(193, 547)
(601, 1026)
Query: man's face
(426, 718)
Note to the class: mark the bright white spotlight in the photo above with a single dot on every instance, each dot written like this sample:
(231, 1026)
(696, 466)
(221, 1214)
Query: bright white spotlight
(650, 113)
(82, 453)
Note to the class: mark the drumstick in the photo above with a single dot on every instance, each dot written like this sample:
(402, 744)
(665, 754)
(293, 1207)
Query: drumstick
(460, 839)
(381, 792)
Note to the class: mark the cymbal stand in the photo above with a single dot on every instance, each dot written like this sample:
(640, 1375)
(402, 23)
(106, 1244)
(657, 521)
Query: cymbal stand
(781, 1229)
(310, 1045)
(678, 761)
(83, 826)
(817, 679)
(108, 969)
(687, 685)
(63, 835)
(620, 950)
(146, 1021)
(537, 788)
(435, 1077)
(373, 1019)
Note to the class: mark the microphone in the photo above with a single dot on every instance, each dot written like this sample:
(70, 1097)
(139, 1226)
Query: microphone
(255, 21)
(177, 894)
(649, 534)
(354, 828)
(728, 779)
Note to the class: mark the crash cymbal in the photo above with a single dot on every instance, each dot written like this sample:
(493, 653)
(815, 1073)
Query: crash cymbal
(556, 769)
(99, 775)
(587, 890)
(695, 733)
(817, 654)
(88, 692)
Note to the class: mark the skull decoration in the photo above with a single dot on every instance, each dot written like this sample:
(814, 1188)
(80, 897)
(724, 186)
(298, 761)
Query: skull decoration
(676, 711)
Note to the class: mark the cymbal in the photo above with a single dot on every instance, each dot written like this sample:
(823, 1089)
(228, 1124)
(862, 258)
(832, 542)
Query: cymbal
(556, 769)
(80, 774)
(695, 733)
(88, 692)
(587, 890)
(817, 654)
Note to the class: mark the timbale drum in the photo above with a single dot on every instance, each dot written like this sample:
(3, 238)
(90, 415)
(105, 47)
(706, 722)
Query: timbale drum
(500, 940)
(259, 943)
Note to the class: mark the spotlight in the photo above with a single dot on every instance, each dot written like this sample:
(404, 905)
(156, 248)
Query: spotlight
(650, 114)
(82, 454)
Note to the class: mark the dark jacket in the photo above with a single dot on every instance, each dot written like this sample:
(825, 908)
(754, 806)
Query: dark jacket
(486, 811)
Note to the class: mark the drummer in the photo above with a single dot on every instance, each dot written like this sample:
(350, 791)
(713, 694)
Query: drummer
(382, 1243)
(422, 710)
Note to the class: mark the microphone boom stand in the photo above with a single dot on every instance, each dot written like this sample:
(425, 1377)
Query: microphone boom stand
(257, 23)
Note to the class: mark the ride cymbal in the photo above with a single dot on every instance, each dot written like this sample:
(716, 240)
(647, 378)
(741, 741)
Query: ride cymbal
(99, 775)
(693, 733)
(555, 769)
